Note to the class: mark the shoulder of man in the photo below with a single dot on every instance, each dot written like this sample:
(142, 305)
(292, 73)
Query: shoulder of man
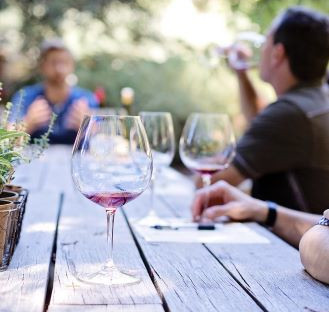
(278, 113)
(310, 100)
(27, 94)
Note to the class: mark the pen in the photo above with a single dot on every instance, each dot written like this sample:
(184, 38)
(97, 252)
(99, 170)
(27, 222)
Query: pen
(209, 226)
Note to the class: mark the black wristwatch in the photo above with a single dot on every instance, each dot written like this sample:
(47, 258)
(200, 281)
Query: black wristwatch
(271, 215)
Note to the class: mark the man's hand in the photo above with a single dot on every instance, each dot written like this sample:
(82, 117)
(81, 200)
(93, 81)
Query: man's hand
(78, 110)
(239, 56)
(38, 115)
(226, 200)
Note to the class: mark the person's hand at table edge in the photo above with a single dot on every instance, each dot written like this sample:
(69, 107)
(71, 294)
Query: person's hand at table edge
(226, 200)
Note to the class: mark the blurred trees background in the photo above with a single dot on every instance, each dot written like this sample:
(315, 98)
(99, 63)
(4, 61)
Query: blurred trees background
(157, 47)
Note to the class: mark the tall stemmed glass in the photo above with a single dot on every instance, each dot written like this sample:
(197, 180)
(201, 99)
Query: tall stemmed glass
(245, 51)
(160, 132)
(111, 165)
(242, 54)
(207, 144)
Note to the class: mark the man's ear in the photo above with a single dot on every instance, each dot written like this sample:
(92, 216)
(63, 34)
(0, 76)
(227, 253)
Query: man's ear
(278, 55)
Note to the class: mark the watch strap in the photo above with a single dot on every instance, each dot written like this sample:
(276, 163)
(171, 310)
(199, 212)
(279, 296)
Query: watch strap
(272, 214)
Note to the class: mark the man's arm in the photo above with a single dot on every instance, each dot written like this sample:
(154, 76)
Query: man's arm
(226, 200)
(291, 225)
(251, 103)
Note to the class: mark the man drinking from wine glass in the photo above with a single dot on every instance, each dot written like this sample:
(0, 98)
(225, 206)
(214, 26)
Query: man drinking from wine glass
(35, 104)
(285, 151)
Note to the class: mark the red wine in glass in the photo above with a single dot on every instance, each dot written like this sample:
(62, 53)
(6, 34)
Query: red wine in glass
(210, 170)
(110, 200)
(207, 144)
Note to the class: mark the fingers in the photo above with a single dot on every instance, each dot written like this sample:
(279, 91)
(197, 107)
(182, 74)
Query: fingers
(215, 212)
(198, 204)
(79, 109)
(198, 181)
(38, 114)
(214, 194)
(235, 210)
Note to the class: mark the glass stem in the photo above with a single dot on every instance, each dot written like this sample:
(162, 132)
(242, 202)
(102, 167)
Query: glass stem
(206, 181)
(110, 214)
(152, 195)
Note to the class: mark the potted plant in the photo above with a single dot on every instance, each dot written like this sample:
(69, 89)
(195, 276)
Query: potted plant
(16, 147)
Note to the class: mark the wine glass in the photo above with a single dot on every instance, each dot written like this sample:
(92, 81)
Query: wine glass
(111, 165)
(160, 132)
(207, 144)
(245, 51)
(242, 54)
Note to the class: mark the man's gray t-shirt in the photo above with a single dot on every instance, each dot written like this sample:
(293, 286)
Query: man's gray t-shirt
(286, 150)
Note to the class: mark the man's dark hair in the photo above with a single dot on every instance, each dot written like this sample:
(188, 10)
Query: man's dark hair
(304, 34)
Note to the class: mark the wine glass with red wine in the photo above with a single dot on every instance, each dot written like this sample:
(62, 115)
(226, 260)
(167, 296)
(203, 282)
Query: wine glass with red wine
(207, 144)
(111, 165)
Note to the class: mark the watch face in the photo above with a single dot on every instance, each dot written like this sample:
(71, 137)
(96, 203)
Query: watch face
(324, 221)
(326, 214)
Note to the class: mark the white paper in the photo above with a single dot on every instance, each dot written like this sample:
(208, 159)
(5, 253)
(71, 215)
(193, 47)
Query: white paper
(229, 233)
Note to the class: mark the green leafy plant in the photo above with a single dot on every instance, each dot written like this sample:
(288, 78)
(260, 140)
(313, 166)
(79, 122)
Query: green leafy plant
(16, 145)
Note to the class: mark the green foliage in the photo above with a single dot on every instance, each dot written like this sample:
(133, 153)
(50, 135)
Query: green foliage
(262, 12)
(14, 144)
(9, 140)
(42, 19)
(180, 85)
(42, 143)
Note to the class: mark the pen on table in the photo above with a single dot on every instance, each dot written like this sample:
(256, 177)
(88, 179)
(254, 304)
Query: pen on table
(199, 226)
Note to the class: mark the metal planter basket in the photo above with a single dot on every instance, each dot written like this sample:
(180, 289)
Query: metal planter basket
(11, 219)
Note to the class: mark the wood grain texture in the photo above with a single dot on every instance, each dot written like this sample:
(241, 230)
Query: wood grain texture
(57, 177)
(31, 176)
(82, 244)
(187, 275)
(107, 308)
(271, 273)
(23, 286)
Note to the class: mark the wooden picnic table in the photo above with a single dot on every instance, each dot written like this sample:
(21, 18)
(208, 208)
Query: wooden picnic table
(61, 229)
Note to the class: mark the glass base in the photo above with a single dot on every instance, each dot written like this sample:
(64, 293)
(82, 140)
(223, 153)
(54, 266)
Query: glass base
(109, 276)
(151, 220)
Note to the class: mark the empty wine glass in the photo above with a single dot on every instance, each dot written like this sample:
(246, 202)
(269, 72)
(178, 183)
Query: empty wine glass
(207, 144)
(111, 165)
(160, 132)
(242, 54)
(245, 51)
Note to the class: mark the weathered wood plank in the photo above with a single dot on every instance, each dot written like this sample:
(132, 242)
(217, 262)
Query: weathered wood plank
(188, 276)
(82, 241)
(44, 173)
(58, 177)
(31, 175)
(58, 174)
(271, 273)
(23, 286)
(107, 308)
